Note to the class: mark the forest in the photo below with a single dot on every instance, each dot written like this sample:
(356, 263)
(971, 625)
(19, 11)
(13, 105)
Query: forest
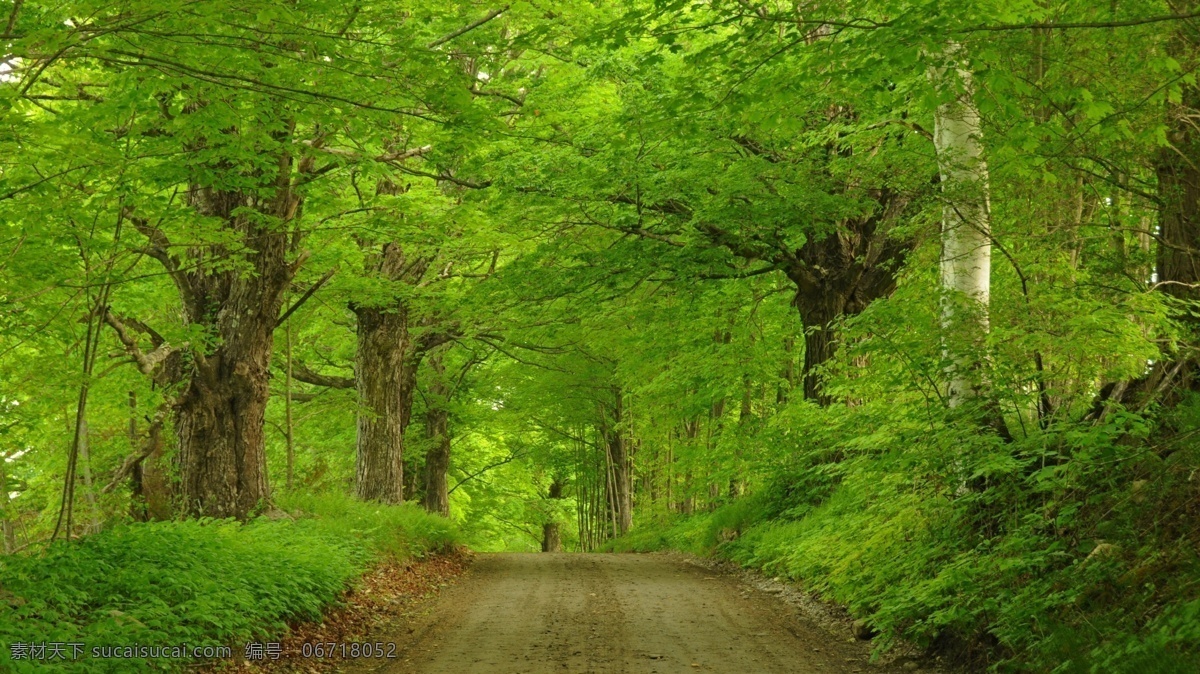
(896, 300)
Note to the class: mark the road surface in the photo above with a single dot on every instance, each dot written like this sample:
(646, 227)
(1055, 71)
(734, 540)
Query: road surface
(577, 613)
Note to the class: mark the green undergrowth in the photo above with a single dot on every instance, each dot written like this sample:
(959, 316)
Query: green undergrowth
(1083, 561)
(200, 583)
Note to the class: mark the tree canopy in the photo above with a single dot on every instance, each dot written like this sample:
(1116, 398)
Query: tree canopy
(899, 297)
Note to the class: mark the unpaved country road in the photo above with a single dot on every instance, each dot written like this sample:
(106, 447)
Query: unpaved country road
(538, 613)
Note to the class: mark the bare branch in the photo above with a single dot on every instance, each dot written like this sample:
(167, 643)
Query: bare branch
(481, 471)
(146, 362)
(304, 298)
(1083, 24)
(301, 372)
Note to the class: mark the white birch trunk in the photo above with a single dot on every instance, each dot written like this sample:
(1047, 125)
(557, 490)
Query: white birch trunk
(6, 514)
(966, 219)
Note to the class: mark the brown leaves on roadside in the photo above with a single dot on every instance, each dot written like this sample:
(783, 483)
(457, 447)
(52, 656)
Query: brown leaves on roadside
(387, 592)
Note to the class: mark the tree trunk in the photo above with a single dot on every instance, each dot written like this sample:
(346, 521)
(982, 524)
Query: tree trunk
(6, 512)
(137, 496)
(386, 362)
(437, 461)
(966, 223)
(220, 416)
(818, 313)
(220, 428)
(691, 431)
(839, 276)
(437, 431)
(787, 374)
(9, 532)
(219, 422)
(1178, 172)
(551, 539)
(289, 425)
(155, 477)
(89, 487)
(621, 485)
(385, 377)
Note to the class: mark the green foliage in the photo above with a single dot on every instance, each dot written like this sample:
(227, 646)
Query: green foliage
(201, 583)
(1078, 567)
(635, 224)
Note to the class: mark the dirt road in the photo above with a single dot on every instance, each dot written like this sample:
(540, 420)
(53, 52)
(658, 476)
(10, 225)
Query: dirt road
(535, 613)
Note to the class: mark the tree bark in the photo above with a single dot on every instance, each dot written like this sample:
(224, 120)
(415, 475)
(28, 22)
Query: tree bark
(385, 377)
(220, 414)
(289, 427)
(6, 515)
(787, 373)
(155, 476)
(621, 487)
(137, 496)
(819, 311)
(89, 486)
(551, 537)
(1178, 172)
(691, 431)
(220, 430)
(839, 275)
(966, 223)
(386, 362)
(437, 432)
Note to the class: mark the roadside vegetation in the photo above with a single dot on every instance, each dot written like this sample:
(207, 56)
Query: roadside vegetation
(200, 583)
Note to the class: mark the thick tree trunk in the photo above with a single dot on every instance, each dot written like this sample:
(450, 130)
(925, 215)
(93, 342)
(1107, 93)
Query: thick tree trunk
(966, 224)
(220, 416)
(551, 538)
(818, 311)
(385, 376)
(437, 462)
(620, 492)
(839, 276)
(137, 497)
(154, 477)
(437, 432)
(414, 478)
(386, 364)
(219, 424)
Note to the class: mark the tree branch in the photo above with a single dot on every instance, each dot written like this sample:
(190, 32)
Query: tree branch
(133, 460)
(467, 28)
(304, 298)
(160, 249)
(1083, 24)
(481, 471)
(146, 362)
(301, 372)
